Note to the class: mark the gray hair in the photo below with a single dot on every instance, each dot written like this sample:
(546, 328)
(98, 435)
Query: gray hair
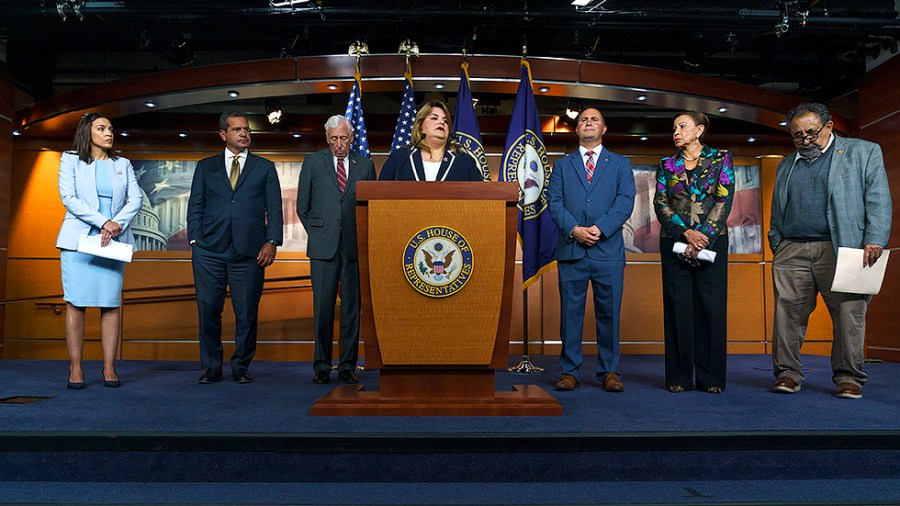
(336, 121)
(820, 110)
(223, 119)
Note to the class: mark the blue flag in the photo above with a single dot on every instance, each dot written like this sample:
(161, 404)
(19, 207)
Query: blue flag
(465, 125)
(354, 114)
(525, 161)
(403, 130)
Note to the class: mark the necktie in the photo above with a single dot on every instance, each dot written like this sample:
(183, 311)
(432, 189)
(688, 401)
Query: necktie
(589, 166)
(341, 175)
(235, 171)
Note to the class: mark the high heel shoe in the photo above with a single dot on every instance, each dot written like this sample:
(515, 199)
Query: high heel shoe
(112, 383)
(74, 385)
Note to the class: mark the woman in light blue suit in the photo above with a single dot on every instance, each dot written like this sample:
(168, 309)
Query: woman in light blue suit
(101, 196)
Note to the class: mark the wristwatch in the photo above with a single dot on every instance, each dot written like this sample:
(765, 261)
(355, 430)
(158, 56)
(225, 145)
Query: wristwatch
(273, 242)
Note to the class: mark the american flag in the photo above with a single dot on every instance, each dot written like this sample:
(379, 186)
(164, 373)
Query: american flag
(403, 131)
(354, 114)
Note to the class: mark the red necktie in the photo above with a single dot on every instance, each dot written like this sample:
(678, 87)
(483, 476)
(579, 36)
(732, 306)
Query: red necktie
(341, 175)
(589, 166)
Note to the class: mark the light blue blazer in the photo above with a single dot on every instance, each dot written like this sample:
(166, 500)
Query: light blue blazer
(78, 191)
(859, 198)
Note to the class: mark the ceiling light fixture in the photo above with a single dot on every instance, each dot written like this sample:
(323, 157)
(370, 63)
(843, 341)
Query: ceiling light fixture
(645, 138)
(124, 133)
(286, 3)
(440, 86)
(723, 109)
(273, 110)
(16, 132)
(641, 98)
(234, 93)
(581, 3)
(751, 139)
(544, 89)
(151, 104)
(296, 135)
(182, 135)
(332, 87)
(782, 123)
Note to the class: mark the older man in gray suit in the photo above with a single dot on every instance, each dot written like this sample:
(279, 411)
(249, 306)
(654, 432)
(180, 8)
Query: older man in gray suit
(832, 192)
(326, 204)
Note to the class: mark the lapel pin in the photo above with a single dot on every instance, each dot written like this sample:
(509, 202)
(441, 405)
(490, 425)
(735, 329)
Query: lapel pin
(840, 151)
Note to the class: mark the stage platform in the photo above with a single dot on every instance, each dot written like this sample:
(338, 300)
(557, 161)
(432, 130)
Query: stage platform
(162, 439)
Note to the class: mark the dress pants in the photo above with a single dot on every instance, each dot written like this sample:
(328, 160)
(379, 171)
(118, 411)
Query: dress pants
(325, 275)
(212, 273)
(695, 307)
(606, 279)
(800, 271)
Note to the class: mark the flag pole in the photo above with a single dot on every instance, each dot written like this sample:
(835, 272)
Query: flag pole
(525, 366)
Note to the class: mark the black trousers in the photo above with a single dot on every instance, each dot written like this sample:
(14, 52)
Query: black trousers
(695, 310)
(325, 275)
(213, 272)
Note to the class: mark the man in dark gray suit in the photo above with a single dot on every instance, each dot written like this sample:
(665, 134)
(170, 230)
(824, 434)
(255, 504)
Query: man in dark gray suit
(234, 224)
(326, 204)
(832, 192)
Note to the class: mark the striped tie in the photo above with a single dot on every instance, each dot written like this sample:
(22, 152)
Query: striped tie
(235, 170)
(589, 166)
(341, 175)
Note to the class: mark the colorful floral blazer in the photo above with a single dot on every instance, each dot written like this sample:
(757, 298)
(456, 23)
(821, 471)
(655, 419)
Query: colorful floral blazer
(699, 199)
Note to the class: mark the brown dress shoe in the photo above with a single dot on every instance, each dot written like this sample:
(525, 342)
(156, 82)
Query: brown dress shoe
(786, 385)
(567, 382)
(849, 390)
(612, 383)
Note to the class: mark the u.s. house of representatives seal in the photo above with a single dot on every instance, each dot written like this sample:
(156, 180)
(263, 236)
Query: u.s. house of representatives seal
(437, 261)
(527, 162)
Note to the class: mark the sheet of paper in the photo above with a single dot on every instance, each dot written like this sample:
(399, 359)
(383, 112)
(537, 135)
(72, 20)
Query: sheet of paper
(115, 250)
(851, 276)
(704, 255)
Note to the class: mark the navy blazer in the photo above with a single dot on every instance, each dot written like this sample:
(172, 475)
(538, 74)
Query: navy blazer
(328, 215)
(606, 202)
(247, 216)
(406, 165)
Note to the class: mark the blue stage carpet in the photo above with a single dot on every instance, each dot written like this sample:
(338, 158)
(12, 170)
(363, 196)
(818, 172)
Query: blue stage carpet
(165, 397)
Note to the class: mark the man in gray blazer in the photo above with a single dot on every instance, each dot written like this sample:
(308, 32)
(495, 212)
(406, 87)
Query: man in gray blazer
(326, 204)
(832, 192)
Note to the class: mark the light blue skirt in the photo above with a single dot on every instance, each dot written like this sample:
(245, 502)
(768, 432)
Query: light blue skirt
(90, 281)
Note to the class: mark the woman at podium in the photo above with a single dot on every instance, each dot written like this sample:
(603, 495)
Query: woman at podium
(430, 156)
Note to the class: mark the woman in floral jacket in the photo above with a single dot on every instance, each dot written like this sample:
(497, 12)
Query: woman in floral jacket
(694, 192)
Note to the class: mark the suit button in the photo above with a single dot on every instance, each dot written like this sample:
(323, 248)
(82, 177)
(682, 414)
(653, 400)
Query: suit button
(588, 200)
(232, 202)
(339, 220)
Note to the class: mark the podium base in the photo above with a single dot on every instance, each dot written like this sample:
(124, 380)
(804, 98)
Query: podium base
(352, 400)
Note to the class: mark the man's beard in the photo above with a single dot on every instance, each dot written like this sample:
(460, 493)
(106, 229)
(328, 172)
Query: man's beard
(810, 151)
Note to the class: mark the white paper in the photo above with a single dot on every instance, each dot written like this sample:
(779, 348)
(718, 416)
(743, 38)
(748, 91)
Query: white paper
(850, 276)
(704, 255)
(115, 250)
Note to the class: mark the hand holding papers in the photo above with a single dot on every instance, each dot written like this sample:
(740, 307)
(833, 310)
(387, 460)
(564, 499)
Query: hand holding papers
(704, 254)
(851, 276)
(115, 250)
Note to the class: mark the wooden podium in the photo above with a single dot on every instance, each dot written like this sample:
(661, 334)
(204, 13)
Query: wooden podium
(436, 266)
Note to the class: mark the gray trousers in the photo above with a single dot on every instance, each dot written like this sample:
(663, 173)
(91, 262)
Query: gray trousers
(800, 271)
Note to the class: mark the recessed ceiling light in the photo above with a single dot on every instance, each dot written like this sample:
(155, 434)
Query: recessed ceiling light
(782, 123)
(544, 89)
(641, 98)
(581, 3)
(723, 109)
(182, 135)
(751, 139)
(234, 93)
(296, 135)
(151, 104)
(440, 86)
(17, 132)
(644, 138)
(332, 87)
(124, 133)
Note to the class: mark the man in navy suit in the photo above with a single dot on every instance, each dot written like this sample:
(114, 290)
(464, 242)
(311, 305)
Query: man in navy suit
(326, 205)
(234, 225)
(591, 195)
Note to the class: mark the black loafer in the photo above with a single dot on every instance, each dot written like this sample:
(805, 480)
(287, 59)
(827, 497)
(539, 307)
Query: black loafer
(322, 377)
(211, 376)
(242, 377)
(347, 376)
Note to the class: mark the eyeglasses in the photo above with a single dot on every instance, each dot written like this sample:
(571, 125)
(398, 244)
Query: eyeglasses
(799, 137)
